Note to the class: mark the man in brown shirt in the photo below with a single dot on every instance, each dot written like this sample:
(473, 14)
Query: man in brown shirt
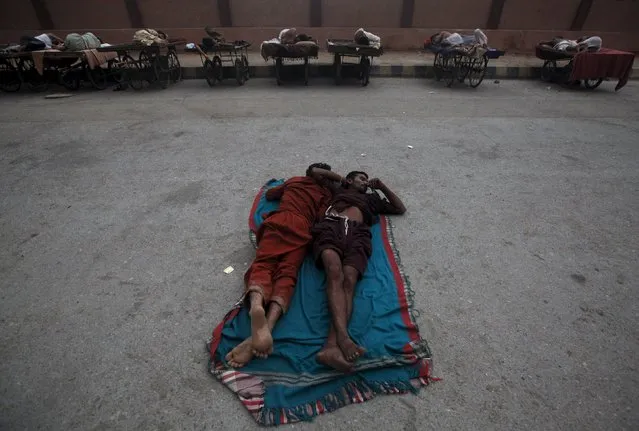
(342, 246)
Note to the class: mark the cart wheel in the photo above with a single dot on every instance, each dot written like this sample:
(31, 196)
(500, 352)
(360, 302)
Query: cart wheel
(148, 67)
(239, 72)
(591, 84)
(365, 70)
(548, 70)
(69, 79)
(209, 73)
(451, 66)
(465, 65)
(337, 64)
(97, 77)
(132, 73)
(247, 70)
(115, 69)
(278, 70)
(30, 75)
(9, 77)
(307, 68)
(438, 66)
(175, 68)
(477, 71)
(217, 67)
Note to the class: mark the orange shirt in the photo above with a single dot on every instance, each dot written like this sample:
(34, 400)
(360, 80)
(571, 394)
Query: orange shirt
(304, 197)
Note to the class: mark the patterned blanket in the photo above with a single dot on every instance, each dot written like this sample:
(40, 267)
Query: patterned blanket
(290, 385)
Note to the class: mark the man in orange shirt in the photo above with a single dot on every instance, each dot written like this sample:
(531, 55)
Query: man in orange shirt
(283, 240)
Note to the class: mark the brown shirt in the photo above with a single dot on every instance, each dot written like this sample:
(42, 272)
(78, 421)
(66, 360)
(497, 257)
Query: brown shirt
(370, 204)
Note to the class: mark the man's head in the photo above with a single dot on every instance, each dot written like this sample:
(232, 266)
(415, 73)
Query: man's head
(317, 165)
(357, 180)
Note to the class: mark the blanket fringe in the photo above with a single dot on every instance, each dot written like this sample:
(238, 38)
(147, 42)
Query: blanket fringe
(351, 393)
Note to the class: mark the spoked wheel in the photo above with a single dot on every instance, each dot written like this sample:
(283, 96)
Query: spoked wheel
(209, 73)
(148, 67)
(365, 71)
(69, 78)
(30, 75)
(477, 71)
(132, 72)
(97, 77)
(337, 64)
(239, 71)
(451, 67)
(465, 65)
(438, 66)
(217, 67)
(115, 69)
(9, 77)
(278, 70)
(175, 68)
(245, 65)
(548, 70)
(591, 84)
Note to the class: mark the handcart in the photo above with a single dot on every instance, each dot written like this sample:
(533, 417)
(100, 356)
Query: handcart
(293, 54)
(461, 62)
(558, 66)
(343, 49)
(155, 64)
(234, 54)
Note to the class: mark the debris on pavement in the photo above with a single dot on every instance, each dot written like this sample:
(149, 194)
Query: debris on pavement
(58, 95)
(228, 270)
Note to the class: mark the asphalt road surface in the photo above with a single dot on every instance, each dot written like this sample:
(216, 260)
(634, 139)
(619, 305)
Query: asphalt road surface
(119, 212)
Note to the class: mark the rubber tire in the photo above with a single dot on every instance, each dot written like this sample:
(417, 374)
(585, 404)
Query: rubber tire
(133, 73)
(239, 72)
(477, 71)
(337, 64)
(13, 81)
(209, 73)
(365, 66)
(175, 68)
(97, 77)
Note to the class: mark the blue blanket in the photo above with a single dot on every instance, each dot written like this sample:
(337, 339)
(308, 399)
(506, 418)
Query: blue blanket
(290, 385)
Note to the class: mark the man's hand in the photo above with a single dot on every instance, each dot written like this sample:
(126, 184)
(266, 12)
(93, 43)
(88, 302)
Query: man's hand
(375, 183)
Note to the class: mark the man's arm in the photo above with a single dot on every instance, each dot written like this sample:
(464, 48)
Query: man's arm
(275, 193)
(318, 173)
(396, 205)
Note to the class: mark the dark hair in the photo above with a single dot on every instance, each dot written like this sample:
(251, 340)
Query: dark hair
(352, 175)
(317, 165)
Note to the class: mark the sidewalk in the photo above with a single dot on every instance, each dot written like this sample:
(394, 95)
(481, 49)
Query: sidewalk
(392, 64)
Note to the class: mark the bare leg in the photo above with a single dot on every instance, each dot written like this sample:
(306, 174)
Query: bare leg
(351, 276)
(260, 333)
(332, 354)
(351, 350)
(273, 315)
(243, 352)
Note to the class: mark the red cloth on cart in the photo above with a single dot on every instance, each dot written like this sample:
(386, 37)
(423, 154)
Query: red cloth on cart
(605, 63)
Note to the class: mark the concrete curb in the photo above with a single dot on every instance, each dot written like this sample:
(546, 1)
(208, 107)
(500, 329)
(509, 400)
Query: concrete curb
(386, 71)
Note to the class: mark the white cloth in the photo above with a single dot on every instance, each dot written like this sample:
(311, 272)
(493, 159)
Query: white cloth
(373, 40)
(565, 44)
(592, 43)
(44, 38)
(481, 37)
(454, 39)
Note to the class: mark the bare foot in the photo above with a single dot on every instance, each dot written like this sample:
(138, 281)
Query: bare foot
(262, 340)
(241, 354)
(350, 350)
(332, 356)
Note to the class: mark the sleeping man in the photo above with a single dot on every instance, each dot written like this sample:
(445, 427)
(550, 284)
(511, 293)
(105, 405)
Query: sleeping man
(342, 246)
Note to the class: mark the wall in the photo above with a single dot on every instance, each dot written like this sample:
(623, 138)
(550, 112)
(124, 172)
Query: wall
(515, 25)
